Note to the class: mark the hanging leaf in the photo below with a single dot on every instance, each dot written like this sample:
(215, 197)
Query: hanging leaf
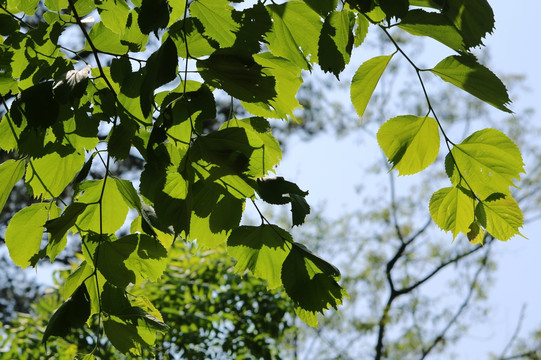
(466, 73)
(70, 315)
(130, 259)
(489, 162)
(295, 33)
(107, 216)
(237, 73)
(153, 16)
(11, 171)
(452, 210)
(502, 217)
(336, 41)
(411, 143)
(25, 232)
(288, 81)
(437, 26)
(365, 80)
(260, 249)
(310, 281)
(215, 15)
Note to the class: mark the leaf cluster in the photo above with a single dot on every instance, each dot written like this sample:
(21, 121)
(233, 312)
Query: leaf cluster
(195, 183)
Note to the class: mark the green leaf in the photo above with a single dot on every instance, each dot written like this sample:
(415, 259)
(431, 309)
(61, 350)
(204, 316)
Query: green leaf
(11, 171)
(70, 315)
(56, 5)
(411, 143)
(105, 39)
(188, 33)
(107, 217)
(154, 15)
(466, 73)
(276, 190)
(59, 226)
(336, 41)
(394, 8)
(437, 26)
(50, 175)
(488, 160)
(37, 105)
(452, 210)
(361, 30)
(215, 15)
(295, 33)
(161, 68)
(236, 72)
(213, 229)
(322, 7)
(25, 232)
(76, 278)
(288, 81)
(114, 15)
(260, 249)
(131, 259)
(266, 152)
(474, 19)
(310, 281)
(55, 246)
(365, 80)
(502, 217)
(130, 331)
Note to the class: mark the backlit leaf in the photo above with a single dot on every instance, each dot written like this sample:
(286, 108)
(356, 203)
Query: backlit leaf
(466, 73)
(488, 160)
(365, 80)
(336, 41)
(502, 218)
(107, 217)
(25, 232)
(11, 171)
(260, 249)
(411, 143)
(452, 210)
(215, 15)
(71, 315)
(310, 281)
(295, 33)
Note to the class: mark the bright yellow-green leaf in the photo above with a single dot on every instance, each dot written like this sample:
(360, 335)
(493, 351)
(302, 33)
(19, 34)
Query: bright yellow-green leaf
(215, 15)
(261, 249)
(114, 15)
(56, 5)
(288, 81)
(113, 207)
(295, 32)
(11, 171)
(502, 217)
(452, 210)
(411, 143)
(488, 160)
(365, 80)
(25, 231)
(49, 175)
(105, 39)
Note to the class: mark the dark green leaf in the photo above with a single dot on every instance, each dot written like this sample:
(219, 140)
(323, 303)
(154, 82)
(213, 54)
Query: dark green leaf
(236, 72)
(70, 315)
(466, 73)
(310, 281)
(336, 41)
(153, 15)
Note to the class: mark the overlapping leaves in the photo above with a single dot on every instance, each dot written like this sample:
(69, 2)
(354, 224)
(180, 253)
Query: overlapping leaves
(197, 178)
